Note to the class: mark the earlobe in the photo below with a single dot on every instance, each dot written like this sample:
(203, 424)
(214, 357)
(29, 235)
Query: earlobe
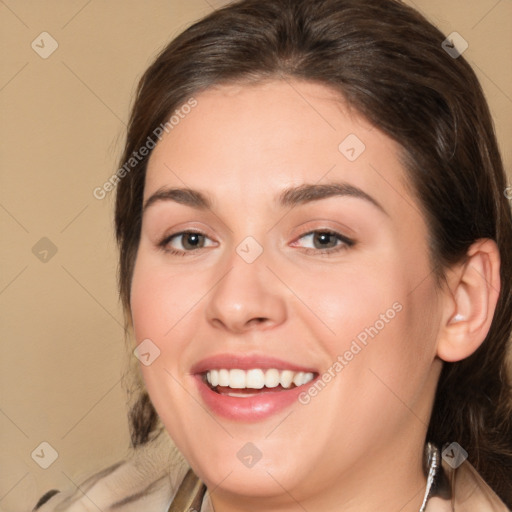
(470, 302)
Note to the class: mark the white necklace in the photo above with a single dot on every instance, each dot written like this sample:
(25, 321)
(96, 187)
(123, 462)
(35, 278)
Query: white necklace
(432, 455)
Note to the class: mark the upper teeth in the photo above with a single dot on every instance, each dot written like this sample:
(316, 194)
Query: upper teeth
(256, 378)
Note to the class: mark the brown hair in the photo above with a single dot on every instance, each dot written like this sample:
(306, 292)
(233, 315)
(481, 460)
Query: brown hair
(387, 62)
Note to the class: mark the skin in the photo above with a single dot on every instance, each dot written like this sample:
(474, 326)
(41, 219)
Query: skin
(357, 444)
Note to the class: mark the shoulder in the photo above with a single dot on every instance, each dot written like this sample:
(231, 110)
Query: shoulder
(470, 491)
(146, 480)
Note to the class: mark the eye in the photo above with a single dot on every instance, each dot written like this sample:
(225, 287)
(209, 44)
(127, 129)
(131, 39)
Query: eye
(188, 240)
(325, 241)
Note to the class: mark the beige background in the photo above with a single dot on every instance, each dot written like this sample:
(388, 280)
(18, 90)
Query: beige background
(61, 135)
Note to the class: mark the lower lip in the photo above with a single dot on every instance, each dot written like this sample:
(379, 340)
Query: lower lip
(251, 408)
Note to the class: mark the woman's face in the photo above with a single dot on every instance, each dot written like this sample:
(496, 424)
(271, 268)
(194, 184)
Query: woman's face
(280, 274)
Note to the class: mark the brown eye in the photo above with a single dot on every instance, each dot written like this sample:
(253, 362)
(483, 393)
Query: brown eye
(326, 241)
(192, 240)
(183, 242)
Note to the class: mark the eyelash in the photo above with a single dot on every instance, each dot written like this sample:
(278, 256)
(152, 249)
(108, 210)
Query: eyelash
(347, 243)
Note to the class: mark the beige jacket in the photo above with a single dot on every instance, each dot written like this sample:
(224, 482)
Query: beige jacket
(147, 482)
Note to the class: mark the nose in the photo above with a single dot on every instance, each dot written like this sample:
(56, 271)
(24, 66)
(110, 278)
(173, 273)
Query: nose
(248, 296)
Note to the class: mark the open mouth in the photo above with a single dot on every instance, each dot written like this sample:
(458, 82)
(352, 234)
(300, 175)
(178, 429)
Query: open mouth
(245, 383)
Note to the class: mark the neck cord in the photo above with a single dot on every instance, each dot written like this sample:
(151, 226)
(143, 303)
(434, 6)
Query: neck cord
(432, 456)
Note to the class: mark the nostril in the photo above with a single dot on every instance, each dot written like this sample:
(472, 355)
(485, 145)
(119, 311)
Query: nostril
(258, 320)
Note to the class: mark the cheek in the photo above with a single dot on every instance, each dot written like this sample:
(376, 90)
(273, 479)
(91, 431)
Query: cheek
(160, 298)
(349, 299)
(378, 316)
(160, 301)
(147, 308)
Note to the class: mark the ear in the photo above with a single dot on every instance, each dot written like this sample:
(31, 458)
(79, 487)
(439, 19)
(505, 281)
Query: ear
(469, 301)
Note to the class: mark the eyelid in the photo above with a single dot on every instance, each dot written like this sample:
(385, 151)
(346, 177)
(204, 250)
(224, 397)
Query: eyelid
(322, 224)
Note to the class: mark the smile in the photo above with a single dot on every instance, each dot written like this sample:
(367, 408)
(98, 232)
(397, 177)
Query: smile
(248, 388)
(224, 380)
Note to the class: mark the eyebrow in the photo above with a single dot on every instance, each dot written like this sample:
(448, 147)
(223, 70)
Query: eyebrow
(291, 196)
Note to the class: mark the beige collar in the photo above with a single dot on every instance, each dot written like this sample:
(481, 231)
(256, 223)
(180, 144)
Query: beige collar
(150, 479)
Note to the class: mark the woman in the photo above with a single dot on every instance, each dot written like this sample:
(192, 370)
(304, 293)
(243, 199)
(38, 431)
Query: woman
(315, 264)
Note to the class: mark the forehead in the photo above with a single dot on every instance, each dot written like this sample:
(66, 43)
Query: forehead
(255, 139)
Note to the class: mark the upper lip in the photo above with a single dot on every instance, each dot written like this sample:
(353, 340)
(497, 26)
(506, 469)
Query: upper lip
(246, 362)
